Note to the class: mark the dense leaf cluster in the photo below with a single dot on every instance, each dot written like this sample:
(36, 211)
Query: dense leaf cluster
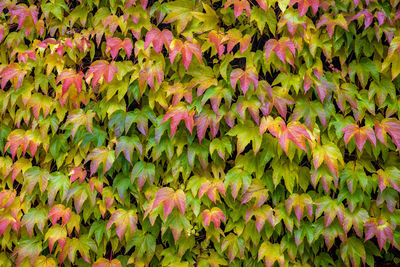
(199, 133)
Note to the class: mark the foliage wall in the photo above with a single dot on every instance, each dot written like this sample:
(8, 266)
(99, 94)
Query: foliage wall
(199, 133)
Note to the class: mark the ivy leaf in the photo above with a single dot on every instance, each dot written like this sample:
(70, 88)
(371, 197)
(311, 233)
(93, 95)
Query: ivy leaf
(35, 216)
(113, 46)
(332, 22)
(203, 121)
(355, 219)
(78, 118)
(331, 233)
(354, 250)
(330, 208)
(187, 49)
(217, 39)
(361, 134)
(77, 173)
(180, 11)
(101, 69)
(127, 145)
(256, 191)
(158, 38)
(55, 234)
(21, 12)
(244, 77)
(27, 248)
(150, 71)
(209, 19)
(246, 133)
(309, 111)
(390, 176)
(122, 218)
(235, 245)
(262, 214)
(364, 69)
(330, 154)
(36, 175)
(24, 139)
(239, 6)
(276, 97)
(271, 253)
(60, 211)
(294, 131)
(236, 178)
(391, 126)
(169, 198)
(211, 189)
(303, 6)
(43, 261)
(100, 155)
(84, 244)
(7, 197)
(216, 215)
(379, 228)
(14, 73)
(178, 113)
(284, 48)
(234, 37)
(368, 17)
(70, 77)
(299, 202)
(179, 91)
(143, 171)
(221, 145)
(102, 262)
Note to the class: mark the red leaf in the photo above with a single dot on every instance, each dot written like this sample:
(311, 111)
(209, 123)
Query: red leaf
(368, 17)
(14, 73)
(176, 114)
(22, 12)
(187, 50)
(100, 155)
(303, 6)
(205, 120)
(239, 6)
(179, 91)
(379, 228)
(150, 71)
(114, 44)
(244, 77)
(170, 199)
(112, 22)
(391, 126)
(60, 211)
(360, 134)
(20, 138)
(280, 47)
(294, 131)
(331, 23)
(77, 173)
(216, 215)
(217, 39)
(211, 189)
(390, 176)
(102, 68)
(158, 38)
(70, 77)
